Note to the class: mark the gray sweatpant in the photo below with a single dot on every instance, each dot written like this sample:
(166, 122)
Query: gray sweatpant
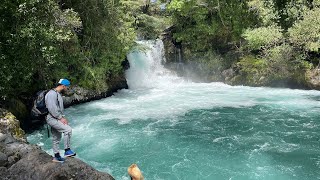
(57, 127)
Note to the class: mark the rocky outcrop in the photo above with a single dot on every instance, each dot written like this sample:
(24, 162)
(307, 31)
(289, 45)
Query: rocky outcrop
(228, 74)
(171, 46)
(20, 160)
(313, 79)
(10, 125)
(78, 94)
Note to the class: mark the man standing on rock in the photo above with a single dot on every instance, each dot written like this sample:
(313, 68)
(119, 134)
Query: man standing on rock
(57, 120)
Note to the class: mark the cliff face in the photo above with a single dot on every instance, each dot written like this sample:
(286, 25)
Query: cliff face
(20, 160)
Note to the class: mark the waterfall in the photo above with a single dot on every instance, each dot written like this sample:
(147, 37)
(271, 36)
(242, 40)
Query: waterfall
(180, 65)
(146, 69)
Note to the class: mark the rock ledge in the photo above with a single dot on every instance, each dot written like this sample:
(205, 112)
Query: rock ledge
(21, 160)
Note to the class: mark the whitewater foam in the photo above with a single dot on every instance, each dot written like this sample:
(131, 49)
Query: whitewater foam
(175, 129)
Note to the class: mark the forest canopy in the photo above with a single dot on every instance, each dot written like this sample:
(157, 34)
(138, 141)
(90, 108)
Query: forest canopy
(44, 40)
(275, 40)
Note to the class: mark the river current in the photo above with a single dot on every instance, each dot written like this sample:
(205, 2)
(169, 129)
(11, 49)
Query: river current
(176, 129)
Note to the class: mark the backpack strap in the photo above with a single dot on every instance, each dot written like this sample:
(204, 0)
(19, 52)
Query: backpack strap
(57, 97)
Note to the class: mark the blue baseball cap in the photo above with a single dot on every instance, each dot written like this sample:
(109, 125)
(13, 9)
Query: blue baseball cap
(65, 82)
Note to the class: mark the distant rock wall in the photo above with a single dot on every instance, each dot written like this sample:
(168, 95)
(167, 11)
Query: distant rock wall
(76, 94)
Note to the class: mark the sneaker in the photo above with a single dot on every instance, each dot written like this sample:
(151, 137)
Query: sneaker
(69, 153)
(58, 159)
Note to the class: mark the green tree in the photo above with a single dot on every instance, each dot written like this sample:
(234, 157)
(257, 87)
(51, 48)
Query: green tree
(35, 40)
(289, 21)
(44, 40)
(306, 32)
(207, 25)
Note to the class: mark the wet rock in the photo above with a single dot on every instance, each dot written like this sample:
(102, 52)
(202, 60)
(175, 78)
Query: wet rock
(3, 159)
(2, 137)
(9, 140)
(38, 165)
(25, 149)
(9, 150)
(13, 159)
(3, 172)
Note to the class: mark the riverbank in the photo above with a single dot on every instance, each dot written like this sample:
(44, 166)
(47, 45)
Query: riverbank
(21, 160)
(230, 68)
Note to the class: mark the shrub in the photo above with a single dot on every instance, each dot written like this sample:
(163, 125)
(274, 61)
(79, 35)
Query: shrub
(253, 69)
(306, 32)
(263, 37)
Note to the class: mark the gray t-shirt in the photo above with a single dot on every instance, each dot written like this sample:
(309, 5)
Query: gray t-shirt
(54, 103)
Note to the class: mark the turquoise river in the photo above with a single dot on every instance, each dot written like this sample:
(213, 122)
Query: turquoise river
(176, 129)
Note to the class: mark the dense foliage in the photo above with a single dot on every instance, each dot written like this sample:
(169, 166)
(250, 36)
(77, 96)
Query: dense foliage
(44, 40)
(263, 40)
(288, 35)
(206, 25)
(277, 40)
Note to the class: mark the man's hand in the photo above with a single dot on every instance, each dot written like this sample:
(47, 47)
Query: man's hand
(64, 120)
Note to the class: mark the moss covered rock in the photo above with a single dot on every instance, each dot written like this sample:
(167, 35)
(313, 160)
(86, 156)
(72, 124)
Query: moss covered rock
(10, 125)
